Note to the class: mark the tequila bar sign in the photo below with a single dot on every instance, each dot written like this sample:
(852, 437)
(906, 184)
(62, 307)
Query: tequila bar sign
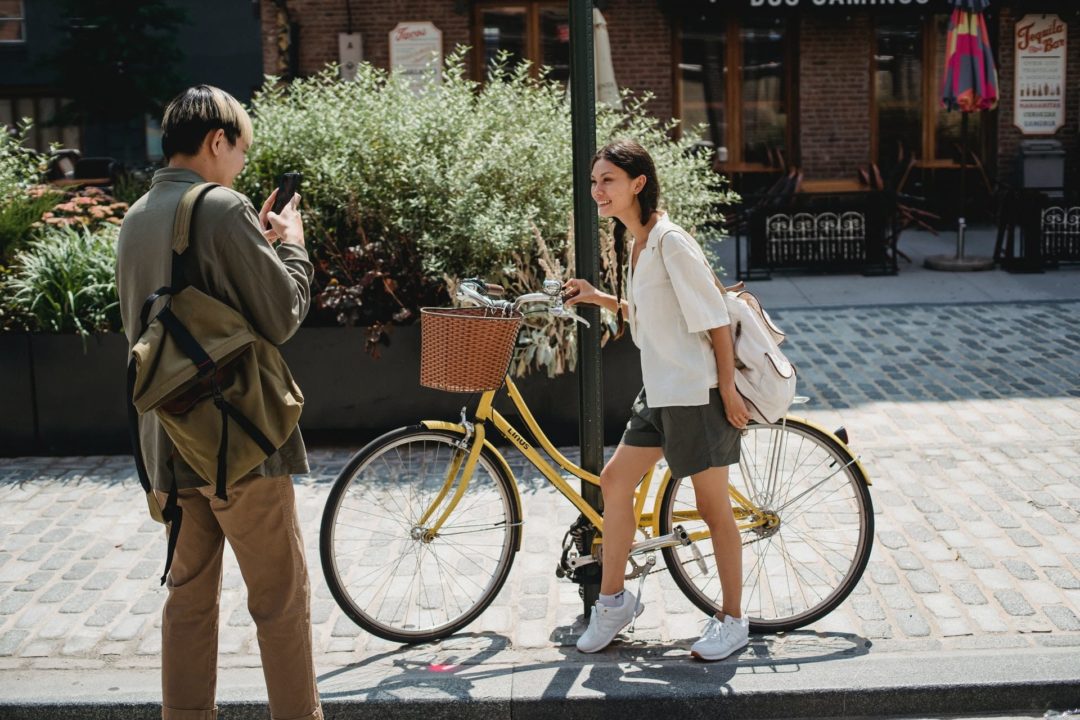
(1040, 43)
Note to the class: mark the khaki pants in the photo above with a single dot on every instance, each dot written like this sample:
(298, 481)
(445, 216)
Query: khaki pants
(260, 522)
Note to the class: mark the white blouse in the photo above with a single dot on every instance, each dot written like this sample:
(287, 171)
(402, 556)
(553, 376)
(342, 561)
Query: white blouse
(674, 302)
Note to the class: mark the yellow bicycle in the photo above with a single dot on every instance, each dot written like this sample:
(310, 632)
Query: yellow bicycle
(422, 525)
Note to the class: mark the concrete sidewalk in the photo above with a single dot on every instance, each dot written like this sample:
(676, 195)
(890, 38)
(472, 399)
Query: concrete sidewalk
(967, 417)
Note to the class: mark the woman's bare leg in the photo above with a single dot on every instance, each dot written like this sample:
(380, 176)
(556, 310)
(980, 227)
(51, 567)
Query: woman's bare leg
(714, 504)
(618, 480)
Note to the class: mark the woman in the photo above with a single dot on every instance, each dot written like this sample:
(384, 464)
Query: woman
(688, 412)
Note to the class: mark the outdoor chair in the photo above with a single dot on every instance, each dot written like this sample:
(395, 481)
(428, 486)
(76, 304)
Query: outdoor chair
(902, 209)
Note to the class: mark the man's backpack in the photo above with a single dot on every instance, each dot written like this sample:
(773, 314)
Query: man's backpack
(201, 368)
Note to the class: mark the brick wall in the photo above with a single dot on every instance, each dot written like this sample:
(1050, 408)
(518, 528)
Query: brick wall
(321, 21)
(1009, 135)
(834, 95)
(640, 37)
(641, 51)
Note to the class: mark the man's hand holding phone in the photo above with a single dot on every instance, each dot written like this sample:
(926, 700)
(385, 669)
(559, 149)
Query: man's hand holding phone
(280, 215)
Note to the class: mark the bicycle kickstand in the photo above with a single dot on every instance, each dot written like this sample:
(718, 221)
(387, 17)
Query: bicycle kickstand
(642, 572)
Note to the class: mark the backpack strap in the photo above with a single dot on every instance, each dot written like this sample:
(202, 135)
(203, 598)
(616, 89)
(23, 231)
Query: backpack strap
(660, 247)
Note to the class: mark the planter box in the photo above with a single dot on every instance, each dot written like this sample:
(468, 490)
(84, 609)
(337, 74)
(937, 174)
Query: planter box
(351, 396)
(64, 396)
(81, 394)
(18, 423)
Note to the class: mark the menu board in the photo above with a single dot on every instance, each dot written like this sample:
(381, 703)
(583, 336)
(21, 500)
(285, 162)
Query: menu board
(416, 51)
(1040, 42)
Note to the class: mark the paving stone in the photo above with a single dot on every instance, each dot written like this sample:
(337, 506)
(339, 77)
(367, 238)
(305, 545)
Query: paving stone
(968, 593)
(1023, 538)
(538, 585)
(1063, 578)
(128, 628)
(11, 640)
(344, 627)
(58, 592)
(891, 540)
(149, 602)
(1013, 602)
(143, 570)
(919, 532)
(79, 570)
(913, 624)
(104, 613)
(1063, 617)
(1019, 569)
(882, 574)
(906, 560)
(13, 602)
(922, 581)
(897, 598)
(533, 608)
(79, 602)
(941, 521)
(34, 553)
(100, 580)
(975, 558)
(867, 608)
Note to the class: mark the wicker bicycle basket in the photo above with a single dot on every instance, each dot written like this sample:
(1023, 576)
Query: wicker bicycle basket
(466, 349)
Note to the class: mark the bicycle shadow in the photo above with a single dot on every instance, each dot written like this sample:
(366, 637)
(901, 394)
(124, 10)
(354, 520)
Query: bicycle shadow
(485, 667)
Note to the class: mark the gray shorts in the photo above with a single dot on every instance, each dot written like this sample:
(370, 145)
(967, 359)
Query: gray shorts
(693, 438)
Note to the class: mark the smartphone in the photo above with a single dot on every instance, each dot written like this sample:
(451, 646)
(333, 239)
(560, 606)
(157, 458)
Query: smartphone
(287, 187)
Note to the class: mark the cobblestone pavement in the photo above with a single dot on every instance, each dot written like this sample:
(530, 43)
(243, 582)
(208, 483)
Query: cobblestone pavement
(966, 417)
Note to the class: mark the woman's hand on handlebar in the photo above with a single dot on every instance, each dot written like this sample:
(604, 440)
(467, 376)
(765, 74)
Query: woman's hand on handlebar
(577, 291)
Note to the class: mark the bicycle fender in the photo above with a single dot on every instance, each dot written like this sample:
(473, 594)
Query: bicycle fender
(460, 429)
(843, 445)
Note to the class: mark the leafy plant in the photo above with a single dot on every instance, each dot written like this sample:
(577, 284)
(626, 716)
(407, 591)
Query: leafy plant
(21, 205)
(63, 282)
(454, 179)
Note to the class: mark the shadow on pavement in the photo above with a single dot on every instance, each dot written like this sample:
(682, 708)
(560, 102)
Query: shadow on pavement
(483, 666)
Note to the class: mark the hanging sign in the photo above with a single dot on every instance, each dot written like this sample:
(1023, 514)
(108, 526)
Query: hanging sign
(844, 4)
(416, 51)
(1040, 42)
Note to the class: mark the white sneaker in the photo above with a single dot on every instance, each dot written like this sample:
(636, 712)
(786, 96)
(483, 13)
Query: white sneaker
(721, 639)
(606, 622)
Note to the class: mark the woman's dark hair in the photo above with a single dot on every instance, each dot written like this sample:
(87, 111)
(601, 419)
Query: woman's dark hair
(197, 111)
(631, 157)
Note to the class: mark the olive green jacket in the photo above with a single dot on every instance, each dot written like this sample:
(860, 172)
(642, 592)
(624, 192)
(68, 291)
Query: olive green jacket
(232, 262)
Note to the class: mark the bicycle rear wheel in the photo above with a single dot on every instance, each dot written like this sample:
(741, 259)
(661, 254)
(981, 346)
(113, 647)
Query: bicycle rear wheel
(386, 567)
(813, 533)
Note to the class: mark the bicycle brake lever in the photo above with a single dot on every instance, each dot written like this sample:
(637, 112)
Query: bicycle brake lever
(562, 311)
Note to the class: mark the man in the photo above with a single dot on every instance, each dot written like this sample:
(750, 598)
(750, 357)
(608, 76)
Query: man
(264, 274)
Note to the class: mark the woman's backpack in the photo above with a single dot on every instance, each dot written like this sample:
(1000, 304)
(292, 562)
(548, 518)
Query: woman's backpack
(763, 375)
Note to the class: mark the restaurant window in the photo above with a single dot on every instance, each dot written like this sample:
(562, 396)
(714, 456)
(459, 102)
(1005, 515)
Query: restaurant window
(40, 110)
(12, 21)
(909, 62)
(746, 112)
(535, 31)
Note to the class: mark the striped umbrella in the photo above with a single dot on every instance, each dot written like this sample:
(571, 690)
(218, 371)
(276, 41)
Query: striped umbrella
(970, 85)
(970, 81)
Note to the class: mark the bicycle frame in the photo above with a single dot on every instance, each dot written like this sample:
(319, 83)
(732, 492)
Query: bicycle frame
(747, 515)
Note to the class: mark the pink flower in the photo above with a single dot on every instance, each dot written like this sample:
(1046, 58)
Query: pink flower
(84, 201)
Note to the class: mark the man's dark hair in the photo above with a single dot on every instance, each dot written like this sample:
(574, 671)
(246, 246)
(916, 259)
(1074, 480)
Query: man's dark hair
(197, 111)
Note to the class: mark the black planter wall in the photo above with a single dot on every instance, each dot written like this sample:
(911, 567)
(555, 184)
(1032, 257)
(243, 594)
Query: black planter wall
(64, 396)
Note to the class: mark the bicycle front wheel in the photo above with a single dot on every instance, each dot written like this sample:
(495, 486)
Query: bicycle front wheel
(806, 534)
(389, 568)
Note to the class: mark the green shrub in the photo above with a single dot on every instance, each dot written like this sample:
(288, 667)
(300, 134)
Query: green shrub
(20, 207)
(63, 281)
(452, 181)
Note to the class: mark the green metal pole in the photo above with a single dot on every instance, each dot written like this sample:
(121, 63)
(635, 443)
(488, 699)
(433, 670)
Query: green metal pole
(587, 249)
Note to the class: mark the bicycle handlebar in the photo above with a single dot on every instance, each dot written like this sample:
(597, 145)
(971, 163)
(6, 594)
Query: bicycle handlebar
(472, 290)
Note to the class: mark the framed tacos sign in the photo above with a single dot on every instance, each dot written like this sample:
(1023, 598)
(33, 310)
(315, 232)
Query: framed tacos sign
(1040, 43)
(416, 51)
